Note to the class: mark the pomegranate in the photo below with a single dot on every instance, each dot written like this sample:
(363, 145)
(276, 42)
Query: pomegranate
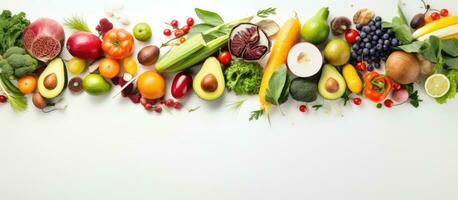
(84, 45)
(44, 39)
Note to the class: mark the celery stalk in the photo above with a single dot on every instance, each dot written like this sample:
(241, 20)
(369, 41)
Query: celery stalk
(190, 59)
(178, 53)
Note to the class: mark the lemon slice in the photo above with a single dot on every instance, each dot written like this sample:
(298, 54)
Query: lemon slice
(437, 85)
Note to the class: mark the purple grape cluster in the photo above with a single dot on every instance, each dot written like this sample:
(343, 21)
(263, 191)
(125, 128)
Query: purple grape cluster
(374, 43)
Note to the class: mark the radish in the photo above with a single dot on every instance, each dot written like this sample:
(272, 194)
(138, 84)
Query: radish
(400, 96)
(44, 39)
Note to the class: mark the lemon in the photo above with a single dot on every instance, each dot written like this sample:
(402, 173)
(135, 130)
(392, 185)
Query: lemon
(437, 85)
(130, 66)
(76, 65)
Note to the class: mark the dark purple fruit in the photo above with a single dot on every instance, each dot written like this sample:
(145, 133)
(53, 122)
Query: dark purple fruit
(418, 21)
(248, 42)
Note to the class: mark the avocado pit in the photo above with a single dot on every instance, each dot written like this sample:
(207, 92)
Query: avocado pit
(209, 83)
(332, 86)
(50, 81)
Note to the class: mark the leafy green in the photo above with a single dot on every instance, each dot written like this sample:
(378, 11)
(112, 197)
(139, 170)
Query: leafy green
(199, 28)
(11, 29)
(209, 17)
(266, 12)
(450, 47)
(414, 99)
(413, 47)
(278, 90)
(451, 63)
(243, 78)
(16, 99)
(401, 30)
(452, 76)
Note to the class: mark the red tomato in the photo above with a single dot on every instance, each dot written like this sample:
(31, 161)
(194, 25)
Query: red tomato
(225, 57)
(351, 35)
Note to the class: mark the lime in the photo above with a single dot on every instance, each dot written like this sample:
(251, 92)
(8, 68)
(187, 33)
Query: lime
(437, 85)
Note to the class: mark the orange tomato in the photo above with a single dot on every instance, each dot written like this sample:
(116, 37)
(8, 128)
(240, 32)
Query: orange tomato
(428, 19)
(27, 84)
(109, 68)
(118, 43)
(151, 85)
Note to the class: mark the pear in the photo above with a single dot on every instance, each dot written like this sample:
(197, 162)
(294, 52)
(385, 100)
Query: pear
(316, 29)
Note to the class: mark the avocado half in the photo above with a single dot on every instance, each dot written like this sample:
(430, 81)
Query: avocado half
(57, 67)
(211, 66)
(332, 84)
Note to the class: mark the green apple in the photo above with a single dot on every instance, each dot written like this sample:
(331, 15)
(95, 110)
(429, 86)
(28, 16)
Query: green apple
(142, 31)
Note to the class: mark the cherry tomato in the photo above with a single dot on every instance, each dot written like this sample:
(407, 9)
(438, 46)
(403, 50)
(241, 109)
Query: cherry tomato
(181, 85)
(167, 32)
(303, 108)
(351, 35)
(109, 68)
(118, 43)
(190, 21)
(388, 103)
(361, 66)
(225, 57)
(435, 16)
(428, 19)
(3, 99)
(357, 101)
(396, 86)
(444, 12)
(186, 29)
(174, 23)
(179, 33)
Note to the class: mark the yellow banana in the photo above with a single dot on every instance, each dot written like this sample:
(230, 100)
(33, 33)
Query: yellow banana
(441, 33)
(436, 25)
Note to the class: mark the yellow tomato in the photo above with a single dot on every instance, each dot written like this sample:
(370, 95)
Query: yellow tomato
(130, 66)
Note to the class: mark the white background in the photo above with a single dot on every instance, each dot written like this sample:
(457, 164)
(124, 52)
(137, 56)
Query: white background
(103, 148)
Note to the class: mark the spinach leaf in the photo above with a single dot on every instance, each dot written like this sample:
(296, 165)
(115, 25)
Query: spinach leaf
(450, 47)
(432, 48)
(414, 47)
(452, 63)
(278, 84)
(402, 31)
(209, 17)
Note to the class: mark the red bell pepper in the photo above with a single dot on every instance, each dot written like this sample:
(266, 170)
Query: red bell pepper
(377, 86)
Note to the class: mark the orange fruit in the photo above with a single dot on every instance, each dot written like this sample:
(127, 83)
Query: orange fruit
(27, 84)
(428, 19)
(151, 85)
(109, 68)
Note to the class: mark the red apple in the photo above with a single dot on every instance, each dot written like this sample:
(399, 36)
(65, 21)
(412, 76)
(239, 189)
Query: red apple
(84, 45)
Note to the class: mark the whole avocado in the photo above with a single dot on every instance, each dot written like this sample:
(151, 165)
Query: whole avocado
(303, 90)
(316, 29)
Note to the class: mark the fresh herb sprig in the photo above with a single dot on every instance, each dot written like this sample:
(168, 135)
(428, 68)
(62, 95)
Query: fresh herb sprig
(255, 115)
(266, 12)
(76, 23)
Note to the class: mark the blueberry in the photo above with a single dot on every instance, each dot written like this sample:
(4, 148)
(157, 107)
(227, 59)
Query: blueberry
(390, 32)
(355, 47)
(386, 42)
(366, 29)
(385, 47)
(385, 36)
(378, 32)
(354, 55)
(359, 27)
(379, 47)
(380, 41)
(365, 51)
(378, 19)
(360, 51)
(362, 34)
(373, 28)
(371, 23)
(366, 40)
(372, 51)
(378, 24)
(394, 42)
(374, 38)
(368, 45)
